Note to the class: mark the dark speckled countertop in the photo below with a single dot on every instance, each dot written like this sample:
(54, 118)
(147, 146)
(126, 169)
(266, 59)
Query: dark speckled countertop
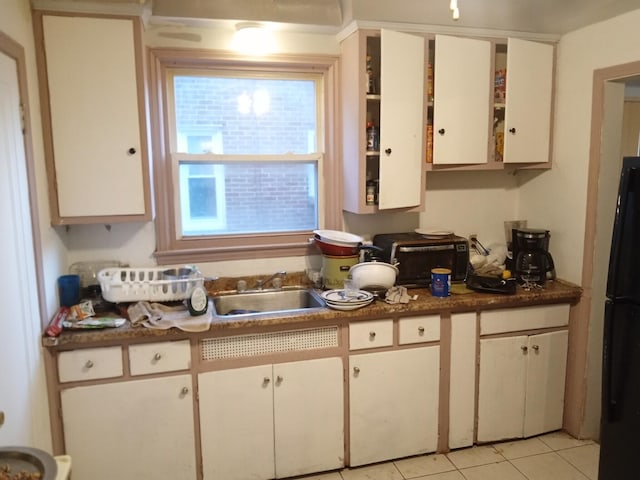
(558, 291)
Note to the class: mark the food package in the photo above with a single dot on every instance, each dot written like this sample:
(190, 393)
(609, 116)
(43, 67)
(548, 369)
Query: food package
(500, 86)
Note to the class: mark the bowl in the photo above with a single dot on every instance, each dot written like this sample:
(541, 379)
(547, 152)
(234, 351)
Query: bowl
(180, 273)
(336, 250)
(374, 275)
(336, 237)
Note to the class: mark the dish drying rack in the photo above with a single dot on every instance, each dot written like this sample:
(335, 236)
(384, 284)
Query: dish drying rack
(121, 285)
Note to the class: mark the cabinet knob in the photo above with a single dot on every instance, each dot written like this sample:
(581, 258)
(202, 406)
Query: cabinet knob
(89, 364)
(184, 390)
(512, 130)
(279, 379)
(524, 348)
(131, 151)
(372, 334)
(536, 348)
(441, 131)
(266, 380)
(387, 151)
(420, 330)
(157, 356)
(356, 370)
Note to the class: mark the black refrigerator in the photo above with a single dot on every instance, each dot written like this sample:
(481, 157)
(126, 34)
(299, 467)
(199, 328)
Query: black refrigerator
(620, 421)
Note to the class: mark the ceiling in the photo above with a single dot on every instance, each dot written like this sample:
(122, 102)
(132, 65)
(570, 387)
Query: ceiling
(554, 17)
(551, 17)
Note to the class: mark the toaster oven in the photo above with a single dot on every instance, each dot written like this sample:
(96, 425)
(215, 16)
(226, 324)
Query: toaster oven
(415, 256)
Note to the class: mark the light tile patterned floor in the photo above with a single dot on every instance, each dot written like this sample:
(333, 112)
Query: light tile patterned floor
(555, 456)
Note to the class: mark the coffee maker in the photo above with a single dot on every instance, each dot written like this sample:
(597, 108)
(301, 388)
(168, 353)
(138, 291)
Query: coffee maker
(532, 261)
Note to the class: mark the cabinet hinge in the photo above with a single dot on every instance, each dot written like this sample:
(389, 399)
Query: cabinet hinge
(22, 120)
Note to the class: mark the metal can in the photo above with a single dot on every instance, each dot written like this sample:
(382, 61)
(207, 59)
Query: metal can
(440, 282)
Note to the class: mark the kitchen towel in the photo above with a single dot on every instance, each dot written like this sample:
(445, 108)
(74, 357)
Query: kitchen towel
(163, 317)
(397, 294)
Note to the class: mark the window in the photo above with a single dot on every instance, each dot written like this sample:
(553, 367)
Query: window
(245, 164)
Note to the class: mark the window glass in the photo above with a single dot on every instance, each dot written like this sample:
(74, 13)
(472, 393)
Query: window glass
(260, 127)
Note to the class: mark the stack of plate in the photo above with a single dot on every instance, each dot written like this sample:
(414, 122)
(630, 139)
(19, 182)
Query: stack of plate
(338, 299)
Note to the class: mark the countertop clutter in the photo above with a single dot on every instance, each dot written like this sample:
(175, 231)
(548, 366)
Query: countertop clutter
(557, 291)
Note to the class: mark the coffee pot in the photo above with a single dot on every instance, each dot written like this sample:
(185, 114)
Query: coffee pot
(531, 258)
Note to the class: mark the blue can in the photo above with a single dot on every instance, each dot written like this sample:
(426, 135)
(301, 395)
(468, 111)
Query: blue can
(440, 282)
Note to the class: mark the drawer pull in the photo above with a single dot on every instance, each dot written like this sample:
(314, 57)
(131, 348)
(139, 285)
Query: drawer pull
(524, 348)
(157, 357)
(421, 330)
(184, 391)
(89, 364)
(356, 370)
(372, 334)
(536, 348)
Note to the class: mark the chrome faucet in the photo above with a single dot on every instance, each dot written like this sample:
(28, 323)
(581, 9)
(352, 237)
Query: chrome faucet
(260, 283)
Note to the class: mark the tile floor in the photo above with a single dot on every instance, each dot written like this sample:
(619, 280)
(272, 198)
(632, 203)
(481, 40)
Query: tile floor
(554, 456)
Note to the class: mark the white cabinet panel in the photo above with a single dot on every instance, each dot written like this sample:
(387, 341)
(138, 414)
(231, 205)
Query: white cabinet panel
(462, 380)
(528, 101)
(462, 91)
(90, 364)
(370, 334)
(546, 372)
(401, 119)
(526, 318)
(393, 404)
(131, 430)
(419, 329)
(159, 357)
(94, 111)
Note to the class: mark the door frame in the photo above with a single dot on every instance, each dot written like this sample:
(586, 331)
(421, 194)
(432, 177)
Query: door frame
(14, 50)
(577, 364)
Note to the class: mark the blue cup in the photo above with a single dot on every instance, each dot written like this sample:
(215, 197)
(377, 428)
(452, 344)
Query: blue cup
(440, 282)
(69, 290)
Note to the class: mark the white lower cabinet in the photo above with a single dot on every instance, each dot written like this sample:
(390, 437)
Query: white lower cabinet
(521, 385)
(272, 421)
(393, 407)
(131, 430)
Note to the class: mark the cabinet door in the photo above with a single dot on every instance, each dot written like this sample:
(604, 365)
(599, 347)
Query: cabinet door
(309, 416)
(131, 430)
(236, 423)
(528, 101)
(546, 369)
(501, 388)
(401, 119)
(94, 112)
(393, 402)
(462, 95)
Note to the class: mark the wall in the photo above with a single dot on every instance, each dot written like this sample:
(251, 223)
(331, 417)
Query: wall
(557, 198)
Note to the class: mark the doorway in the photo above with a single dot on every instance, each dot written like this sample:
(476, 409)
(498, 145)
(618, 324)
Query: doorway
(614, 89)
(23, 404)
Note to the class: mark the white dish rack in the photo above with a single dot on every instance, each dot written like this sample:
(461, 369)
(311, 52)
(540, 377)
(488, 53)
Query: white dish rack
(121, 285)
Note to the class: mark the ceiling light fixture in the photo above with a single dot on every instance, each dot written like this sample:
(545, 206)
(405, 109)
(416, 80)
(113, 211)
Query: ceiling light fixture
(252, 38)
(455, 12)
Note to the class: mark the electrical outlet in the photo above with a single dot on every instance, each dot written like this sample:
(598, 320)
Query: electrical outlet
(473, 237)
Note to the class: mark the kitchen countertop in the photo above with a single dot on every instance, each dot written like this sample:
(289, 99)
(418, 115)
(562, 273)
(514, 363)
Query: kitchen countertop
(557, 291)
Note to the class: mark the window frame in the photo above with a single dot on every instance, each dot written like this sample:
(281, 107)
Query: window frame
(170, 247)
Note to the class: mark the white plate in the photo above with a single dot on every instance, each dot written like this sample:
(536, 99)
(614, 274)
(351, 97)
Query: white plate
(348, 307)
(433, 232)
(339, 296)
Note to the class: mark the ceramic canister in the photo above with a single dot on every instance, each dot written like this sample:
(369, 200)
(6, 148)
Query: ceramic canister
(440, 282)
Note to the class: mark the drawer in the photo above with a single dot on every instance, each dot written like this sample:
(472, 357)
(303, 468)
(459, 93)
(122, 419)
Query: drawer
(90, 364)
(423, 328)
(370, 334)
(525, 318)
(159, 357)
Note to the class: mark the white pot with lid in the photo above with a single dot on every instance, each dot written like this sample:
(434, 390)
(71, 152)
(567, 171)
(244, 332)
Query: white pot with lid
(374, 275)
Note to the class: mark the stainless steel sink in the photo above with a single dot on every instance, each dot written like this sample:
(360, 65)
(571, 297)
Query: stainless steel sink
(262, 302)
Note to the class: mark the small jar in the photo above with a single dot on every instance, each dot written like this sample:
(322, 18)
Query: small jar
(371, 193)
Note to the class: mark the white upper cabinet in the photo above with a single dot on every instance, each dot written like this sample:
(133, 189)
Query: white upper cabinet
(401, 119)
(462, 100)
(93, 109)
(529, 88)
